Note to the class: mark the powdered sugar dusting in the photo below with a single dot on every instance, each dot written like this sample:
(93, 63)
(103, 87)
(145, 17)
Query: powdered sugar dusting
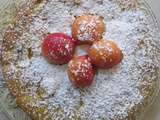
(80, 68)
(114, 92)
(87, 28)
(104, 49)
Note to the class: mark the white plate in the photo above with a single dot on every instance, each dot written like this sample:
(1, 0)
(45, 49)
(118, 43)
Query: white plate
(154, 112)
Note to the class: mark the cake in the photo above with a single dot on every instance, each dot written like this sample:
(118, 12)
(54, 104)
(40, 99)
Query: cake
(44, 91)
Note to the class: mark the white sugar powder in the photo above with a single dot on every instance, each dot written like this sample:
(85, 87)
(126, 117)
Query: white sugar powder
(114, 92)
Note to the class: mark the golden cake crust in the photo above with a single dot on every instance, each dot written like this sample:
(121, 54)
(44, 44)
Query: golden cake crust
(24, 16)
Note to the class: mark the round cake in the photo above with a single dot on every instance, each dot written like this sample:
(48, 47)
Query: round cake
(44, 91)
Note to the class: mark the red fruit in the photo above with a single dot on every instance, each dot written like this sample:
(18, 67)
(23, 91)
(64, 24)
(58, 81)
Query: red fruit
(58, 48)
(80, 71)
(105, 54)
(88, 28)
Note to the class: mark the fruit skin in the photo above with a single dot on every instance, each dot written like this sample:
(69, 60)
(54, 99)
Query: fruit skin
(88, 28)
(80, 71)
(105, 54)
(58, 48)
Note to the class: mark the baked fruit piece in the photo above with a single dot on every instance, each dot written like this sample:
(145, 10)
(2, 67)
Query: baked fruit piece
(80, 71)
(58, 48)
(88, 28)
(120, 93)
(105, 54)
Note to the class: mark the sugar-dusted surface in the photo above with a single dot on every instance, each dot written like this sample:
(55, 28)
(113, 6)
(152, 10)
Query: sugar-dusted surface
(80, 71)
(58, 48)
(105, 54)
(116, 91)
(88, 28)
